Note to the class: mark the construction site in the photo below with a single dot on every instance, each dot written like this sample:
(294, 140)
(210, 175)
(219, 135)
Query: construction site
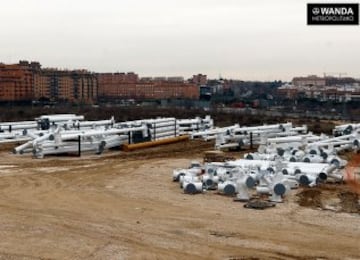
(118, 198)
(225, 130)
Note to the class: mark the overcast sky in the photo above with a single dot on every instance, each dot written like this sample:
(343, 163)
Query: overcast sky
(242, 39)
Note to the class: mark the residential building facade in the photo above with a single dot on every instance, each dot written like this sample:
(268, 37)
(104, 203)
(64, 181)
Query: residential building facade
(120, 86)
(16, 82)
(28, 81)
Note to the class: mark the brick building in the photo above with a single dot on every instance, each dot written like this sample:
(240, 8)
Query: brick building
(27, 81)
(121, 86)
(181, 90)
(16, 82)
(311, 80)
(199, 79)
(66, 85)
(108, 82)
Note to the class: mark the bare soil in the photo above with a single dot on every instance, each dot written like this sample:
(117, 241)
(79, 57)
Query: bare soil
(339, 198)
(125, 206)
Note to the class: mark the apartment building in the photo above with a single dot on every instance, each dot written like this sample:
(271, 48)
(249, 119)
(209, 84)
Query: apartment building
(311, 80)
(123, 86)
(340, 93)
(109, 82)
(65, 85)
(28, 81)
(16, 82)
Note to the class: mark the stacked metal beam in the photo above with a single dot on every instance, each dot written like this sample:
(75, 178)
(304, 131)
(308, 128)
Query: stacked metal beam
(18, 131)
(65, 134)
(189, 126)
(160, 128)
(237, 137)
(345, 129)
(68, 133)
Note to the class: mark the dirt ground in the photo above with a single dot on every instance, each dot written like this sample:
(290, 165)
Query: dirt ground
(125, 206)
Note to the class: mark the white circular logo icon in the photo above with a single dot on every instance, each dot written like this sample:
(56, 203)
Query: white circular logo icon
(315, 11)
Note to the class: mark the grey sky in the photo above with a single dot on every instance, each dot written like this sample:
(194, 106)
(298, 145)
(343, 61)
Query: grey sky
(241, 39)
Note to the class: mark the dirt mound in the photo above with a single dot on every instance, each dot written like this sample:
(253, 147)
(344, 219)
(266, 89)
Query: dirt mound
(339, 198)
(352, 172)
(349, 202)
(310, 198)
